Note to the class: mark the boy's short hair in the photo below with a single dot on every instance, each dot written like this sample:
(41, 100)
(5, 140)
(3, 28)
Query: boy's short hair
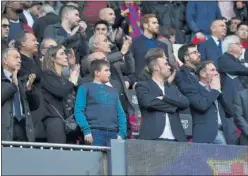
(96, 65)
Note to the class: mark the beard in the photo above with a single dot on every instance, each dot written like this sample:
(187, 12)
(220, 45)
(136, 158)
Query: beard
(19, 11)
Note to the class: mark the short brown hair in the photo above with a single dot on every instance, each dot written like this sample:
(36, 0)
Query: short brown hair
(96, 65)
(151, 57)
(145, 19)
(202, 66)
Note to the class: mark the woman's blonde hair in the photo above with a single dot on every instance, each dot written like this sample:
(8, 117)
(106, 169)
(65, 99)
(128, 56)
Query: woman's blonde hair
(49, 58)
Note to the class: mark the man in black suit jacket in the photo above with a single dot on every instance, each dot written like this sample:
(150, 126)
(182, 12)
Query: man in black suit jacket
(159, 102)
(212, 48)
(208, 107)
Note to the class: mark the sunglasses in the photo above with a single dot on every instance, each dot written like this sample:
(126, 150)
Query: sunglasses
(5, 25)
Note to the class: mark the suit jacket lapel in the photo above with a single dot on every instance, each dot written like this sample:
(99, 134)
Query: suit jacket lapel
(156, 90)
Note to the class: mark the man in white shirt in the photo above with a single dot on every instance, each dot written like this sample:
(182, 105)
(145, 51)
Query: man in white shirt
(159, 101)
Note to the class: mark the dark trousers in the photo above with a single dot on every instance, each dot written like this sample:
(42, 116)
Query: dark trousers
(19, 130)
(55, 130)
(103, 137)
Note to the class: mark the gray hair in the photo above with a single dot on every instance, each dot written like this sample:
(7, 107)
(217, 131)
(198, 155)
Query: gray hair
(226, 44)
(47, 8)
(42, 45)
(5, 52)
(92, 42)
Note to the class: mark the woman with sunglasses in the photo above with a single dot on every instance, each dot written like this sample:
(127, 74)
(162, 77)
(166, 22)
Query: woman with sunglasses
(55, 89)
(5, 32)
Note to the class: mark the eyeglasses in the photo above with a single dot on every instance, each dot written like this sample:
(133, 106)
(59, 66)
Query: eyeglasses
(5, 25)
(194, 52)
(235, 44)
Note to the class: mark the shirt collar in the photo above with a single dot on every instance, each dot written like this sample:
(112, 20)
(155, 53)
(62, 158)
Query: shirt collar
(216, 40)
(204, 85)
(158, 83)
(7, 74)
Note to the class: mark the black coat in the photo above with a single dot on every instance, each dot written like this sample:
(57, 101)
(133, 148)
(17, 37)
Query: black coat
(41, 23)
(8, 90)
(241, 118)
(55, 89)
(153, 110)
(28, 66)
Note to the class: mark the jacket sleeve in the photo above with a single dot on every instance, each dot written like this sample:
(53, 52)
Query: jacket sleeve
(227, 105)
(174, 97)
(150, 102)
(239, 115)
(202, 49)
(8, 90)
(129, 66)
(79, 110)
(121, 120)
(190, 15)
(56, 87)
(199, 101)
(115, 57)
(231, 67)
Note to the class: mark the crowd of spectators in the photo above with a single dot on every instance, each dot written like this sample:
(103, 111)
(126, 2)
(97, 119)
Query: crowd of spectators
(87, 72)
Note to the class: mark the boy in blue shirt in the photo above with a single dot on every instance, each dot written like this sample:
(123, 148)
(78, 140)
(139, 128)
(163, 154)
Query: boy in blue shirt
(98, 110)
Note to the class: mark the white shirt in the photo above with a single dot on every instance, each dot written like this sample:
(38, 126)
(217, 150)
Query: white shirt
(216, 40)
(29, 18)
(167, 133)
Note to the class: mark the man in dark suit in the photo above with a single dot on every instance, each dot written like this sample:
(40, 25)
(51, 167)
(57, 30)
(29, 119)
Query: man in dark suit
(208, 107)
(159, 102)
(212, 48)
(186, 76)
(230, 67)
(148, 40)
(241, 112)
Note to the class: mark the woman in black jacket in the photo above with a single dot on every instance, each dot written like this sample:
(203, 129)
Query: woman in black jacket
(55, 89)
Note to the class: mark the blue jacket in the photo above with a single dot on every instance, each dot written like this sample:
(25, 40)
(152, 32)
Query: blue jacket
(98, 106)
(209, 51)
(200, 15)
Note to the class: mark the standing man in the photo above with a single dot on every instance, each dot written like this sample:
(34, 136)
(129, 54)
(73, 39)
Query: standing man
(208, 107)
(159, 102)
(17, 124)
(146, 41)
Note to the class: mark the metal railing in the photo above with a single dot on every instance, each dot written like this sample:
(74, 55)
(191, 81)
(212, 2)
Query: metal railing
(54, 146)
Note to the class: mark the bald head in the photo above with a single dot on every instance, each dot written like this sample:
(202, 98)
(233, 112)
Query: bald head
(108, 15)
(218, 29)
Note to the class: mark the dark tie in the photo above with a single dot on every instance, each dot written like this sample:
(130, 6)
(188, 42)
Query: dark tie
(17, 106)
(220, 46)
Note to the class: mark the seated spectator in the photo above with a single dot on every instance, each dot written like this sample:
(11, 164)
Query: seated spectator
(212, 48)
(231, 68)
(159, 102)
(98, 126)
(241, 115)
(12, 11)
(146, 41)
(208, 107)
(5, 32)
(70, 32)
(235, 21)
(242, 32)
(48, 18)
(200, 15)
(17, 124)
(55, 90)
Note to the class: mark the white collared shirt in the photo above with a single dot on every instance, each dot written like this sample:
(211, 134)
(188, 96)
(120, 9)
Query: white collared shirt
(29, 17)
(216, 40)
(167, 133)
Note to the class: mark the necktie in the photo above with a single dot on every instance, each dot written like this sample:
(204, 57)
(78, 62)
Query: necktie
(17, 106)
(220, 46)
